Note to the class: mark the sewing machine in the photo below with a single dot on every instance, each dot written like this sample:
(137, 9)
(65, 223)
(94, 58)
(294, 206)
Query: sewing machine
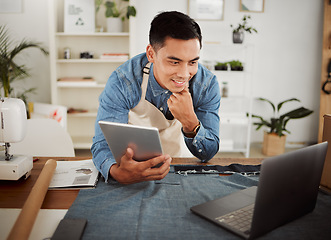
(13, 124)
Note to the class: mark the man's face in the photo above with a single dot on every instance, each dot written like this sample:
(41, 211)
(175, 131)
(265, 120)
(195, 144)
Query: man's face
(175, 63)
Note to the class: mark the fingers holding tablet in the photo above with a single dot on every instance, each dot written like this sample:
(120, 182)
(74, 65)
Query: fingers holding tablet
(130, 171)
(137, 151)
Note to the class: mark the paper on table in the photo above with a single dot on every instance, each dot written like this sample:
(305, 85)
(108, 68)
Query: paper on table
(74, 174)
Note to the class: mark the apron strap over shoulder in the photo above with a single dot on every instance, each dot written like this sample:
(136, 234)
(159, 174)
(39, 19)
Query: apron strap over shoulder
(147, 68)
(145, 79)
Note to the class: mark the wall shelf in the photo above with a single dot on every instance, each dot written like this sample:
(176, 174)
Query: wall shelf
(82, 95)
(97, 34)
(93, 60)
(80, 85)
(236, 108)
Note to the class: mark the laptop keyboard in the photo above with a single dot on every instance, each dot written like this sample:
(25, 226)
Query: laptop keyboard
(240, 220)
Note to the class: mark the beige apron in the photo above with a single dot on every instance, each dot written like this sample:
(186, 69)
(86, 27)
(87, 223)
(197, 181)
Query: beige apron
(146, 114)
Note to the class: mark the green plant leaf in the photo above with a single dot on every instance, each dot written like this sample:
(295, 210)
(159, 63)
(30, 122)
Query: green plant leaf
(268, 101)
(297, 113)
(221, 64)
(111, 9)
(279, 106)
(131, 11)
(18, 72)
(256, 116)
(242, 26)
(109, 13)
(115, 9)
(235, 63)
(110, 4)
(98, 3)
(259, 125)
(262, 121)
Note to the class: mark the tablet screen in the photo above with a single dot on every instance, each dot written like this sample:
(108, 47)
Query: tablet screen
(145, 141)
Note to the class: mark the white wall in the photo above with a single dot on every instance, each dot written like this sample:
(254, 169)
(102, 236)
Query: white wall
(287, 50)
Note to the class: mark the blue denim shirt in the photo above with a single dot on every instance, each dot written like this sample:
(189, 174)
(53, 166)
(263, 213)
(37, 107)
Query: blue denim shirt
(123, 92)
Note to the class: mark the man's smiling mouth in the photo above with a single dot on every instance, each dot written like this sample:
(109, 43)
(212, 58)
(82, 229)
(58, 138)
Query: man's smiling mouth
(180, 82)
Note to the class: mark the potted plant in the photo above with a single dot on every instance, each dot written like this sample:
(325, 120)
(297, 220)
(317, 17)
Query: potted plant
(274, 140)
(221, 66)
(238, 32)
(116, 12)
(11, 71)
(236, 65)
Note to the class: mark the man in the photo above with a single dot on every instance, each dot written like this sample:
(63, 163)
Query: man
(164, 88)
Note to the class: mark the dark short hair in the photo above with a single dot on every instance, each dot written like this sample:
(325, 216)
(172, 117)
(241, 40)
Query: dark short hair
(175, 25)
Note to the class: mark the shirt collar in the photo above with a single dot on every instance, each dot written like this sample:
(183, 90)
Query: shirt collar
(154, 85)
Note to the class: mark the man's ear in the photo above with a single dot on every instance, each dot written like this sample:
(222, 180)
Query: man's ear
(150, 53)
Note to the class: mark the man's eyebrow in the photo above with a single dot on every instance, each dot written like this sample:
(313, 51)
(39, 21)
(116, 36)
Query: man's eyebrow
(195, 59)
(180, 60)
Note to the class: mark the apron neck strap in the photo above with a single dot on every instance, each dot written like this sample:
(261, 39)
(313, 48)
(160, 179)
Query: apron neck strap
(146, 71)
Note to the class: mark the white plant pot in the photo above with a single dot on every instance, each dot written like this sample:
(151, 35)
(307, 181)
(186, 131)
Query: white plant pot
(114, 24)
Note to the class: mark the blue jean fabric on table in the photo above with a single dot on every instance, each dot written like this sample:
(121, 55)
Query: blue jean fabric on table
(161, 210)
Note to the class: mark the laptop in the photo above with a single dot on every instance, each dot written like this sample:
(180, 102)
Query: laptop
(287, 189)
(145, 141)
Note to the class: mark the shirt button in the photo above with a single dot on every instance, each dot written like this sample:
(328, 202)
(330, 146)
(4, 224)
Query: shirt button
(161, 108)
(200, 150)
(166, 92)
(195, 141)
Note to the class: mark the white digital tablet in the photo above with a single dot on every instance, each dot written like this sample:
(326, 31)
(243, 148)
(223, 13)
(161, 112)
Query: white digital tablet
(145, 141)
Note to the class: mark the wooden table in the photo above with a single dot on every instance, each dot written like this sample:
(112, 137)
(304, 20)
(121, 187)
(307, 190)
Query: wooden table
(13, 194)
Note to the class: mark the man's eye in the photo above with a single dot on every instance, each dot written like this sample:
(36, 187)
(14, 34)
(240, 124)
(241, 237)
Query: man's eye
(174, 63)
(194, 62)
